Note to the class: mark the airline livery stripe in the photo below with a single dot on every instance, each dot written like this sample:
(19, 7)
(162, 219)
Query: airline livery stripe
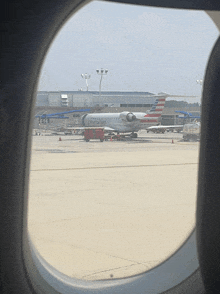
(160, 104)
(161, 100)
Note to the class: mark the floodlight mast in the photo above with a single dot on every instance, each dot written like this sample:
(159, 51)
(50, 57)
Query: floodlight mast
(101, 72)
(86, 77)
(199, 82)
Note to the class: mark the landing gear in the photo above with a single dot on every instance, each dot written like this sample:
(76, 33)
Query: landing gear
(134, 135)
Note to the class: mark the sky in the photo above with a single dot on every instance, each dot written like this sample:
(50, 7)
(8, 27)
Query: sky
(145, 49)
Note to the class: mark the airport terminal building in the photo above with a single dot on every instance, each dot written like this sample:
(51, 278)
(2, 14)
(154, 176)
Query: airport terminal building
(80, 99)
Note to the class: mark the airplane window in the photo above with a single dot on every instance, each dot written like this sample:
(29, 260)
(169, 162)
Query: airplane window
(116, 137)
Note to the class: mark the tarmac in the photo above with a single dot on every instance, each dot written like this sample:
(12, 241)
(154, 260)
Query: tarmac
(105, 210)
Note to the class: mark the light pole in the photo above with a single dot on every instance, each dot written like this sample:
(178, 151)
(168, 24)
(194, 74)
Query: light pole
(199, 82)
(86, 77)
(101, 72)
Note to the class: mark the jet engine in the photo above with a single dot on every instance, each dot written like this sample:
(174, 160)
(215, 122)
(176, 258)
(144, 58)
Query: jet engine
(127, 116)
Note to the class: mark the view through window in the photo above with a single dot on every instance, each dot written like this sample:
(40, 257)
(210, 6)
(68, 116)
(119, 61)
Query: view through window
(115, 140)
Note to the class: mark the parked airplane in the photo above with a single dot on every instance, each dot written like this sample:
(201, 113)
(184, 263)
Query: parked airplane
(162, 128)
(178, 128)
(127, 122)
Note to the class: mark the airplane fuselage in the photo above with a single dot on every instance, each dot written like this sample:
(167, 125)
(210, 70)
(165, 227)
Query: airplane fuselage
(120, 122)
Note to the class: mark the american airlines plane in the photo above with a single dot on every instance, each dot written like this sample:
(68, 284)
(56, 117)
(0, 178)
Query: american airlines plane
(126, 122)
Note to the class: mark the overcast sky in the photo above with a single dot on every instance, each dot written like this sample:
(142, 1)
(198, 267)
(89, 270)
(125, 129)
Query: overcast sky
(144, 49)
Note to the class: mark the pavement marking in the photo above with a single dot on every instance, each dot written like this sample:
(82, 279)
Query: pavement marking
(116, 166)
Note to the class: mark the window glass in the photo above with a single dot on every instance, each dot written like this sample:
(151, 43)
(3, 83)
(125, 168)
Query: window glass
(113, 176)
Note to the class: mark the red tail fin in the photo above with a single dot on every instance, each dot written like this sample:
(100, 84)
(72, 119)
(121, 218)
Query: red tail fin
(156, 111)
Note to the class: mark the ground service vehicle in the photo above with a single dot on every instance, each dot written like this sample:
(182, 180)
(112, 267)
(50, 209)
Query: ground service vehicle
(27, 29)
(191, 131)
(94, 133)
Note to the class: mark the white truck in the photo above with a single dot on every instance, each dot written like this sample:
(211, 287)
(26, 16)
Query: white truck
(191, 132)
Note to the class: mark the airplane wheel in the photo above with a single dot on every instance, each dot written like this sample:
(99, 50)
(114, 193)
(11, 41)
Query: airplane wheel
(87, 140)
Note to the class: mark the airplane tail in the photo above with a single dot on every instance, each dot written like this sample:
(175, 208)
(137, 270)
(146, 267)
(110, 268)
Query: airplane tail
(156, 111)
(158, 106)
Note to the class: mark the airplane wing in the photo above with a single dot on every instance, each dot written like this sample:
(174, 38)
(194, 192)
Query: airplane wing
(166, 95)
(164, 128)
(107, 129)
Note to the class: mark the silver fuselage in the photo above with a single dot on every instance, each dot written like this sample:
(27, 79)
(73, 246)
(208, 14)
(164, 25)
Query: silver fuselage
(118, 122)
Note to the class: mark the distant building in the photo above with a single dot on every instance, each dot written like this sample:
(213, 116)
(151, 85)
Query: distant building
(92, 99)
